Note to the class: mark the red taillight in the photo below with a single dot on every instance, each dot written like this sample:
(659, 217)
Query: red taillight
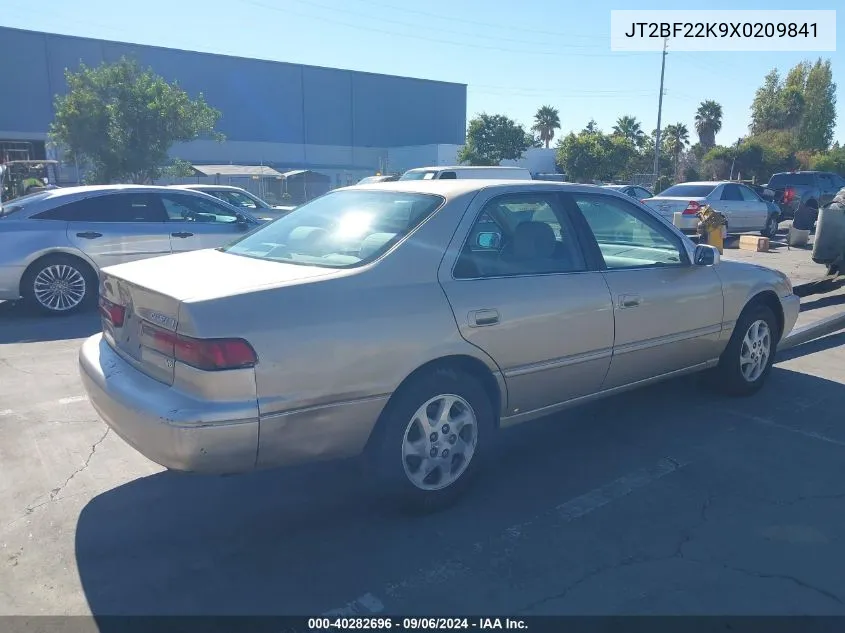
(789, 194)
(112, 312)
(211, 354)
(214, 354)
(692, 208)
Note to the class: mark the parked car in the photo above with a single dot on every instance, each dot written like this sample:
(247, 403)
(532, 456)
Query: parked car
(635, 191)
(744, 209)
(406, 322)
(802, 190)
(462, 171)
(242, 199)
(370, 180)
(53, 243)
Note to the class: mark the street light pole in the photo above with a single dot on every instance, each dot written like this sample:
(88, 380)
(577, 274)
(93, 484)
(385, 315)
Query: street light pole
(659, 114)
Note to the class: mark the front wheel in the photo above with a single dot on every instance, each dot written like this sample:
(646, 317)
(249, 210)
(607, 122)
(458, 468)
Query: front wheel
(432, 438)
(747, 360)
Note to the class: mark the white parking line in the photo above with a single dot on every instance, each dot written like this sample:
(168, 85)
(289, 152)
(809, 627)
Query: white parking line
(569, 511)
(44, 405)
(783, 427)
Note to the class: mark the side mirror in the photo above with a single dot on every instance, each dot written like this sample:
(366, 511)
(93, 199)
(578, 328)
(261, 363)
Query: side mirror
(488, 240)
(706, 255)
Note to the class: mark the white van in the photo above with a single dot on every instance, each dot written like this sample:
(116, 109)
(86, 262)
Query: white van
(462, 172)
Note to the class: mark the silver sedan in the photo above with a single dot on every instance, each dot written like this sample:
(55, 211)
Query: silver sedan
(409, 321)
(53, 243)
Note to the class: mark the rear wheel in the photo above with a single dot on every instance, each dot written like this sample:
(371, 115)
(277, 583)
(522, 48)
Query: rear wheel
(772, 225)
(59, 284)
(432, 438)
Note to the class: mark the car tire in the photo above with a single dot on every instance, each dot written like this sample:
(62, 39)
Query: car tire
(748, 358)
(772, 226)
(59, 285)
(422, 461)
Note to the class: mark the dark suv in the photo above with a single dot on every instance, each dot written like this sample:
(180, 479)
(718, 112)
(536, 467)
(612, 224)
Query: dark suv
(806, 191)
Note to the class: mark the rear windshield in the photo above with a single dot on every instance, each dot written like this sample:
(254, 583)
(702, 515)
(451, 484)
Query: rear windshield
(779, 181)
(418, 175)
(687, 191)
(343, 229)
(18, 204)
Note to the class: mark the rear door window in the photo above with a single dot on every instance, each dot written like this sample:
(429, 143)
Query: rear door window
(117, 207)
(732, 193)
(182, 207)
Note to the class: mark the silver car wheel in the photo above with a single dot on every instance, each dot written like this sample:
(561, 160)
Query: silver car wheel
(772, 226)
(755, 350)
(439, 442)
(59, 287)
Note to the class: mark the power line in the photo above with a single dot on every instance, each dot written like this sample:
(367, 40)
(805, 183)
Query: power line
(381, 18)
(506, 27)
(431, 39)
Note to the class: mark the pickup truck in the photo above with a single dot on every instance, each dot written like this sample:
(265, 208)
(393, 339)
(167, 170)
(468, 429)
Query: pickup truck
(802, 193)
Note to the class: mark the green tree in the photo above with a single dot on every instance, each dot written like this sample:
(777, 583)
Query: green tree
(708, 122)
(546, 121)
(120, 120)
(629, 129)
(589, 156)
(766, 107)
(676, 138)
(832, 160)
(492, 138)
(815, 132)
(592, 127)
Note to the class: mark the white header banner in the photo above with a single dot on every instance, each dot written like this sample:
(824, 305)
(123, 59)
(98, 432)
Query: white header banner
(716, 30)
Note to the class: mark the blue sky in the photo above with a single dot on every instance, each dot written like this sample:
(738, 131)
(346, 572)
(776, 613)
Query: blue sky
(514, 56)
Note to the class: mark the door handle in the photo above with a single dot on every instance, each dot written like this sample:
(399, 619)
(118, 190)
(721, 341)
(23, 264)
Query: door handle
(181, 234)
(89, 235)
(480, 318)
(629, 301)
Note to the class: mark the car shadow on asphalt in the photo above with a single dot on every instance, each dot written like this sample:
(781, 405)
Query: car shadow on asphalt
(305, 539)
(21, 324)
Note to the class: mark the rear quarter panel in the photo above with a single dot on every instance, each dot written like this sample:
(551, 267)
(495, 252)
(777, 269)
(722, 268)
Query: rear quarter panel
(24, 241)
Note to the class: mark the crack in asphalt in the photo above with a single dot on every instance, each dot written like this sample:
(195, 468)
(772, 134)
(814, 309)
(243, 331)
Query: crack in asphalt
(54, 493)
(678, 553)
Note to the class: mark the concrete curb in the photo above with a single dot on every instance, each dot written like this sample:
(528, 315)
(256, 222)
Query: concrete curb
(810, 332)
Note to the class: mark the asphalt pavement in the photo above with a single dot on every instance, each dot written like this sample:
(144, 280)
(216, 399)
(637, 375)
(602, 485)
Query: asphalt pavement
(666, 500)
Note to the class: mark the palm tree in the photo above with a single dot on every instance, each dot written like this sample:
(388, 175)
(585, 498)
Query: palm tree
(708, 122)
(546, 121)
(677, 138)
(630, 129)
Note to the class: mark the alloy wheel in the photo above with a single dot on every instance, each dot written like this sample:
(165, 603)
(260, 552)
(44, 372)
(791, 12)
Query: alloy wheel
(439, 442)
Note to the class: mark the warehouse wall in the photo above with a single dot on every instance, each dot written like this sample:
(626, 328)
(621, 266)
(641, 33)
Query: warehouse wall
(261, 101)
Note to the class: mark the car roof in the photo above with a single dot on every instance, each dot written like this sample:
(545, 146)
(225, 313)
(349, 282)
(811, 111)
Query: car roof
(83, 189)
(200, 187)
(453, 188)
(464, 167)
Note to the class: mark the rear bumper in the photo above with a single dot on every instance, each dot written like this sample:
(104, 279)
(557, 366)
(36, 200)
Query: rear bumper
(688, 224)
(166, 426)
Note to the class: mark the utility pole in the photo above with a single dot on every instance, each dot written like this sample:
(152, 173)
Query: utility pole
(659, 114)
(733, 163)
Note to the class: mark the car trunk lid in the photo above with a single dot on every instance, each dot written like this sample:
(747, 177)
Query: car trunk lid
(141, 301)
(668, 206)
